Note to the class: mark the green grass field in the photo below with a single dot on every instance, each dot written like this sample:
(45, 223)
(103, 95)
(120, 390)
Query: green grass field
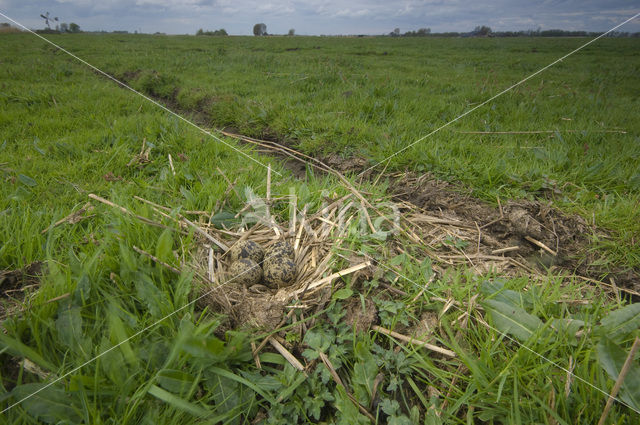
(372, 97)
(66, 132)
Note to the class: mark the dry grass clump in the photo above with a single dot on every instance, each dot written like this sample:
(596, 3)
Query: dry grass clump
(314, 240)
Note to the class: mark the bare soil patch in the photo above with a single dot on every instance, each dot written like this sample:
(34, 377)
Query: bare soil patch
(512, 228)
(15, 283)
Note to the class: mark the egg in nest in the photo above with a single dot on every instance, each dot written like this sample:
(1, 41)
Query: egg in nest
(283, 248)
(246, 272)
(279, 271)
(246, 249)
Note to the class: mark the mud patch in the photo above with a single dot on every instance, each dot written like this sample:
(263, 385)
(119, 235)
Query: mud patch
(531, 231)
(15, 283)
(9, 371)
(344, 165)
(258, 313)
(361, 316)
(16, 280)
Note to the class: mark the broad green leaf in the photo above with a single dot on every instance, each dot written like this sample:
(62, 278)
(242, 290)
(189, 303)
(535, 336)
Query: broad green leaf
(223, 219)
(178, 403)
(202, 347)
(274, 358)
(290, 389)
(612, 357)
(495, 290)
(78, 382)
(364, 374)
(164, 245)
(27, 181)
(342, 294)
(175, 381)
(634, 181)
(113, 364)
(570, 326)
(155, 300)
(512, 320)
(348, 411)
(69, 327)
(266, 382)
(620, 322)
(50, 405)
(37, 148)
(119, 335)
(230, 375)
(398, 259)
(83, 290)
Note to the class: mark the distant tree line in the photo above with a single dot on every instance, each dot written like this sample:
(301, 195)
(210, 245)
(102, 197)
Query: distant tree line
(62, 28)
(219, 32)
(485, 31)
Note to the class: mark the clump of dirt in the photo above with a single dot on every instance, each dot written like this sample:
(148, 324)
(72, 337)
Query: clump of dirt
(13, 284)
(14, 279)
(352, 164)
(258, 312)
(427, 326)
(9, 371)
(361, 318)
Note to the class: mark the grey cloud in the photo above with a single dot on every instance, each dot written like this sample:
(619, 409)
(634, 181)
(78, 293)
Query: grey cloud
(327, 16)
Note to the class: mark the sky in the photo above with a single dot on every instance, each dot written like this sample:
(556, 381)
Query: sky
(326, 17)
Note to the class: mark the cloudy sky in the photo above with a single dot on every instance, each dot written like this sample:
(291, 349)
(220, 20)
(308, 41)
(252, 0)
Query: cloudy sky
(315, 17)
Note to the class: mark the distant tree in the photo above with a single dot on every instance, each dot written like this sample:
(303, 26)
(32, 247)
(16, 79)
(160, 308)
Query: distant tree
(482, 31)
(292, 32)
(424, 31)
(395, 32)
(74, 28)
(200, 32)
(259, 29)
(64, 27)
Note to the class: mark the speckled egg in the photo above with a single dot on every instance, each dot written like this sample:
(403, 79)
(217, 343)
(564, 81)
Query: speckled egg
(245, 271)
(280, 248)
(246, 249)
(279, 271)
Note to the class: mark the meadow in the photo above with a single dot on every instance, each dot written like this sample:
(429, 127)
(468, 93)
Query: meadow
(567, 139)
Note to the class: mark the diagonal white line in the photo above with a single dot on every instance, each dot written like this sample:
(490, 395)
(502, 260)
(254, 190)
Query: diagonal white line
(424, 288)
(159, 105)
(386, 267)
(500, 94)
(130, 337)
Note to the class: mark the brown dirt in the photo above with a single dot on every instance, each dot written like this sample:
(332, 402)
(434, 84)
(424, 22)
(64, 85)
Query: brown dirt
(511, 223)
(13, 284)
(361, 319)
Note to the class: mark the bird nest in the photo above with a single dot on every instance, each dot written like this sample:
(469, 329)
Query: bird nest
(316, 241)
